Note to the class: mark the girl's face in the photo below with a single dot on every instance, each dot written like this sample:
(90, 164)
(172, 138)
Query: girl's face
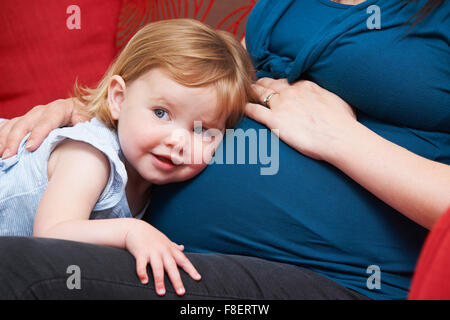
(163, 126)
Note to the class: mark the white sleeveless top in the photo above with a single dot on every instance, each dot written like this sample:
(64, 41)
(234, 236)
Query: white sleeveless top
(23, 178)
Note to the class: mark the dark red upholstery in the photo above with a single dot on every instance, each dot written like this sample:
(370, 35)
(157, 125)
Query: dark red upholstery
(432, 277)
(41, 57)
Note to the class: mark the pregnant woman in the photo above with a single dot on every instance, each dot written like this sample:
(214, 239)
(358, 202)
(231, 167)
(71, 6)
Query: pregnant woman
(347, 212)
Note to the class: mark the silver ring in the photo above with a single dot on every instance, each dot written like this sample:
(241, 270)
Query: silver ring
(267, 99)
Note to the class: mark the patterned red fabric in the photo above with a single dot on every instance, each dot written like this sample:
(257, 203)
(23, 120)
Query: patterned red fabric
(431, 280)
(41, 57)
(229, 15)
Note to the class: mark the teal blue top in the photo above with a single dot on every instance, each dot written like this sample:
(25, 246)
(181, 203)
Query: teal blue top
(389, 74)
(309, 213)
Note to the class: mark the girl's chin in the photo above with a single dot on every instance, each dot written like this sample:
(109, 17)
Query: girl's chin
(160, 178)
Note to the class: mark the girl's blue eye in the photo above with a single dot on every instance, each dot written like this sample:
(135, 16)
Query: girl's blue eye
(161, 114)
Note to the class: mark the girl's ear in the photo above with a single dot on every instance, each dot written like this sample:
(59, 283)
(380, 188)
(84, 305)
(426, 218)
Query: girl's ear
(116, 95)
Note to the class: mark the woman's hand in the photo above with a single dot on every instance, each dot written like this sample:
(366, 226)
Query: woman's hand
(307, 116)
(39, 121)
(321, 125)
(149, 245)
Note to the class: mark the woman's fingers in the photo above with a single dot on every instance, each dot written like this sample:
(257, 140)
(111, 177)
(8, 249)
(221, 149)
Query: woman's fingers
(39, 121)
(11, 134)
(54, 115)
(3, 122)
(41, 131)
(5, 128)
(273, 84)
(16, 129)
(264, 94)
(258, 113)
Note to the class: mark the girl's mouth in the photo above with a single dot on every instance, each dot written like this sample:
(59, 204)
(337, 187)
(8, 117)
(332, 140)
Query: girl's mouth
(163, 162)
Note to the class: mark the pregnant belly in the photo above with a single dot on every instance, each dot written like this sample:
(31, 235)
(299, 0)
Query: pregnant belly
(308, 213)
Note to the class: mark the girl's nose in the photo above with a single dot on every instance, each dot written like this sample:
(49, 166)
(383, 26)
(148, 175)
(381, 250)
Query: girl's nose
(178, 140)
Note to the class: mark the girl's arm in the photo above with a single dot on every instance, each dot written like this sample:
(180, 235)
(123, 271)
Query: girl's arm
(78, 174)
(321, 125)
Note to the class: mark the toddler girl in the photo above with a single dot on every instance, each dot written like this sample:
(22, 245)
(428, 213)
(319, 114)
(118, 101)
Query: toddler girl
(158, 115)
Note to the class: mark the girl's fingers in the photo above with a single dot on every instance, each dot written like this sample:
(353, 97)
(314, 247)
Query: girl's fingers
(174, 275)
(158, 274)
(178, 246)
(141, 269)
(187, 266)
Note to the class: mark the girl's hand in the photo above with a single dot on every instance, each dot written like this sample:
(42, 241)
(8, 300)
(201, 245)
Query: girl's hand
(39, 121)
(308, 117)
(149, 245)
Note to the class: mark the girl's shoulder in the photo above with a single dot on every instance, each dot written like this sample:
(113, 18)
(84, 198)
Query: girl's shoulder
(93, 132)
(96, 137)
(71, 154)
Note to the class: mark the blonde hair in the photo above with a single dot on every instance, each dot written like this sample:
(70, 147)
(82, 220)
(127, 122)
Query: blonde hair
(192, 54)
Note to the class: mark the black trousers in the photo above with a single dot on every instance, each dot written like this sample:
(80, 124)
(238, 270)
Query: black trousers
(36, 268)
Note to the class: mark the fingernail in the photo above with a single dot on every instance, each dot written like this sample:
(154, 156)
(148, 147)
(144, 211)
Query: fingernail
(6, 154)
(180, 291)
(161, 291)
(29, 144)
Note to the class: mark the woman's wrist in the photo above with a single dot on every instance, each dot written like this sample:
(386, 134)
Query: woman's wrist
(341, 143)
(78, 112)
(413, 185)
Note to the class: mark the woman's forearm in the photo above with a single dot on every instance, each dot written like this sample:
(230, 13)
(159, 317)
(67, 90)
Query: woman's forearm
(415, 186)
(107, 232)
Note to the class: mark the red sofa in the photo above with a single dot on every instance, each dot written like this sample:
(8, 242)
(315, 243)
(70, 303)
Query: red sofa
(431, 280)
(46, 45)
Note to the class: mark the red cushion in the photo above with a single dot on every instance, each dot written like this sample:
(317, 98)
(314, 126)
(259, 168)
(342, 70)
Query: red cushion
(41, 57)
(432, 276)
